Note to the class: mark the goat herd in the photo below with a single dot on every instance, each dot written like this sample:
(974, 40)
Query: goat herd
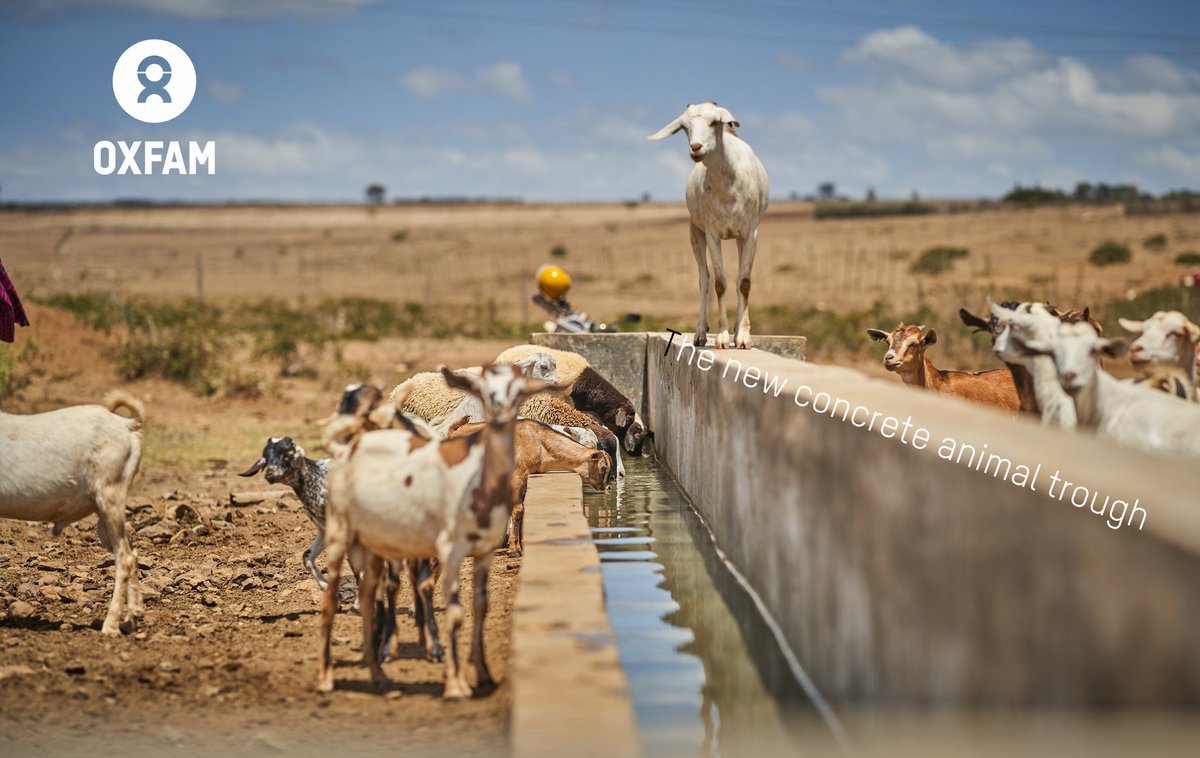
(420, 480)
(1055, 370)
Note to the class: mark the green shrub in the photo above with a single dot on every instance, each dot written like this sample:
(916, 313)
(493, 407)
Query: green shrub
(1155, 241)
(558, 251)
(400, 235)
(937, 260)
(18, 367)
(1189, 258)
(1109, 253)
(1034, 196)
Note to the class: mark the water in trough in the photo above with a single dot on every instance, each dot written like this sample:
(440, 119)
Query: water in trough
(706, 675)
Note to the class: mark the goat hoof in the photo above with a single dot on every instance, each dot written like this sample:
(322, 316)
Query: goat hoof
(325, 685)
(457, 689)
(701, 339)
(110, 630)
(743, 342)
(435, 656)
(723, 341)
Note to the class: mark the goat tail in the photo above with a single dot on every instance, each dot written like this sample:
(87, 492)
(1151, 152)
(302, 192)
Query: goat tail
(119, 399)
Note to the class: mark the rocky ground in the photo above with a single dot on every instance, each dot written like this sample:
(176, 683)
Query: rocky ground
(225, 659)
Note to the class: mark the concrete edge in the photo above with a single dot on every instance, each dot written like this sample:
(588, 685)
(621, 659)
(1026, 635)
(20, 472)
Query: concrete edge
(570, 694)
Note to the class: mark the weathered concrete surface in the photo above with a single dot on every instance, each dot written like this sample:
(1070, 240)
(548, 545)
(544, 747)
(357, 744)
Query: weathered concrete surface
(570, 695)
(898, 577)
(621, 358)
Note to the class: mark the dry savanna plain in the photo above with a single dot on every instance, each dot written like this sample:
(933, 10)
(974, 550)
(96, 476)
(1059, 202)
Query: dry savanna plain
(226, 656)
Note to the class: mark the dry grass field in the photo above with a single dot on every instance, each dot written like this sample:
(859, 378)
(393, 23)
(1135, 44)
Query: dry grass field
(623, 258)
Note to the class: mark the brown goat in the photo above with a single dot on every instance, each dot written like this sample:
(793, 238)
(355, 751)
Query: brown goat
(906, 357)
(540, 449)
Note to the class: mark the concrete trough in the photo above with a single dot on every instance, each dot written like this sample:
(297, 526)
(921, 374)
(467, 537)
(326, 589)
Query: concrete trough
(896, 577)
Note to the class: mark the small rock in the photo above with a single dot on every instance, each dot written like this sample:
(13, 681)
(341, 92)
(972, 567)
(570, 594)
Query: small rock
(168, 667)
(252, 583)
(75, 668)
(50, 593)
(171, 495)
(210, 690)
(18, 670)
(20, 609)
(200, 530)
(210, 599)
(48, 565)
(162, 531)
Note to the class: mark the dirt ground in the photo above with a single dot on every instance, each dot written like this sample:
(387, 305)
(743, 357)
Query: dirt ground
(225, 659)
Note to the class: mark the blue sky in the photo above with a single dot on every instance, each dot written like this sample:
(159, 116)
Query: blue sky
(551, 99)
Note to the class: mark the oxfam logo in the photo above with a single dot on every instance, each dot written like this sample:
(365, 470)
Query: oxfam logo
(154, 81)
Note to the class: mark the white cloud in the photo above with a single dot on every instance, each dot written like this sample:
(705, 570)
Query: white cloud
(1180, 164)
(503, 79)
(432, 82)
(912, 86)
(909, 51)
(226, 92)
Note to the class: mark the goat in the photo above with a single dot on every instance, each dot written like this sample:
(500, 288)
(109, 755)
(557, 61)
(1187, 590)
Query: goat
(906, 357)
(1168, 339)
(1035, 377)
(64, 465)
(398, 496)
(284, 462)
(542, 448)
(1126, 413)
(727, 195)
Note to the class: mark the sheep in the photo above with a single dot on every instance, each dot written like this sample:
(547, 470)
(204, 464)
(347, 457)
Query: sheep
(64, 465)
(1128, 414)
(427, 396)
(590, 392)
(398, 496)
(1167, 339)
(542, 448)
(727, 195)
(906, 357)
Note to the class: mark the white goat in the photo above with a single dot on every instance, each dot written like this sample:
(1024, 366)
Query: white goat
(1126, 413)
(727, 194)
(1168, 339)
(1034, 321)
(67, 464)
(399, 496)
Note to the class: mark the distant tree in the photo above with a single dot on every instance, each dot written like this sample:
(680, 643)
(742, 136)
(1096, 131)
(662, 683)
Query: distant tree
(915, 196)
(870, 194)
(375, 193)
(826, 191)
(645, 197)
(1083, 191)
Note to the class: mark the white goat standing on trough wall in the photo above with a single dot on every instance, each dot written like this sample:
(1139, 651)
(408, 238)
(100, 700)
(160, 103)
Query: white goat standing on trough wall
(727, 195)
(64, 465)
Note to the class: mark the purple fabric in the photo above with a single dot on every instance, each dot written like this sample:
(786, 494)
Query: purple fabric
(11, 311)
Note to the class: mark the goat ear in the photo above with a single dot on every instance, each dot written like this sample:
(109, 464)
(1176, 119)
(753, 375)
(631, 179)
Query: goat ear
(466, 382)
(878, 335)
(597, 455)
(727, 117)
(1191, 331)
(973, 321)
(667, 130)
(622, 418)
(1112, 348)
(1131, 326)
(930, 337)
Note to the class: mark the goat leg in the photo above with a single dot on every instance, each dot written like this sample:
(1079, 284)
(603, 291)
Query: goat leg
(310, 558)
(746, 249)
(483, 565)
(698, 244)
(714, 249)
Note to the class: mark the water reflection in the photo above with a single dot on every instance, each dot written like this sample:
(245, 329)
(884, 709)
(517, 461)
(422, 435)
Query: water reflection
(706, 675)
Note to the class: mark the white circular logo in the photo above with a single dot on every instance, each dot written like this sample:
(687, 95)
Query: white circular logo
(154, 81)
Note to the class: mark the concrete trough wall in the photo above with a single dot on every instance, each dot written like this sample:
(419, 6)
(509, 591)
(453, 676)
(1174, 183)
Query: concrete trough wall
(898, 577)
